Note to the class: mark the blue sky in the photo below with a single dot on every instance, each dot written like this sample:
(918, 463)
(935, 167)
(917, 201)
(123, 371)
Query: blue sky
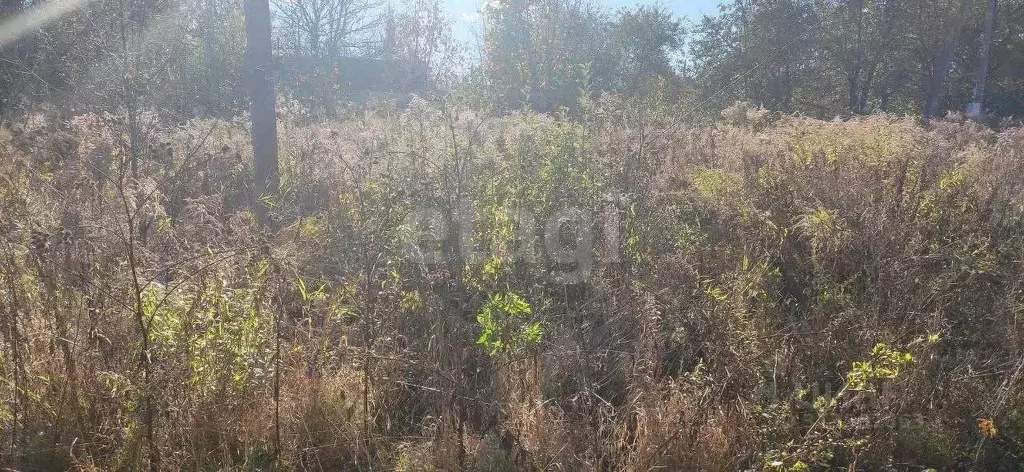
(467, 24)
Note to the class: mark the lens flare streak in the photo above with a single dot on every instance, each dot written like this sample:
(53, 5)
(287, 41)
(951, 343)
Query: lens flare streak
(35, 18)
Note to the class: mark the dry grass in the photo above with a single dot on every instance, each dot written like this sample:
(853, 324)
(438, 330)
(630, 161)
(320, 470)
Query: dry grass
(755, 263)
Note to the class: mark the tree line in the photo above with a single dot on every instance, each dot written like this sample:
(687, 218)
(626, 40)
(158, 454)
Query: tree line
(815, 57)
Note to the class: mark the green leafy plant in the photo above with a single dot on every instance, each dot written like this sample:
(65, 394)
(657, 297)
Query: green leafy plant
(885, 364)
(506, 325)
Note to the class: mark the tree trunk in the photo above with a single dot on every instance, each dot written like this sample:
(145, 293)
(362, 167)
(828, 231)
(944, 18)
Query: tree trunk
(261, 105)
(865, 92)
(856, 65)
(976, 107)
(941, 68)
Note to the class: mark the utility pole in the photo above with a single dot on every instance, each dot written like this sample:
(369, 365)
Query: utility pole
(975, 108)
(262, 102)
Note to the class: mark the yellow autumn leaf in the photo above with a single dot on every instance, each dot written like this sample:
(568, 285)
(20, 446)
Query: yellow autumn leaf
(987, 428)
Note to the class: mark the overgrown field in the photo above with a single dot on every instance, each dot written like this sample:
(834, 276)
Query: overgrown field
(448, 290)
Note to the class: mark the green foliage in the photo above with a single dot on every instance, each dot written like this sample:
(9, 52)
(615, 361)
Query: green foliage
(310, 296)
(534, 57)
(826, 229)
(885, 364)
(506, 325)
(724, 190)
(412, 301)
(223, 332)
(842, 57)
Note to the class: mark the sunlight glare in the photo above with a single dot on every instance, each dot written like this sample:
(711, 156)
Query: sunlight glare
(35, 18)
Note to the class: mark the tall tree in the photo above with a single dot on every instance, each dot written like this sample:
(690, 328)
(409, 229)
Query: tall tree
(210, 69)
(417, 47)
(859, 43)
(262, 102)
(645, 39)
(327, 29)
(942, 63)
(763, 52)
(545, 54)
(975, 107)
